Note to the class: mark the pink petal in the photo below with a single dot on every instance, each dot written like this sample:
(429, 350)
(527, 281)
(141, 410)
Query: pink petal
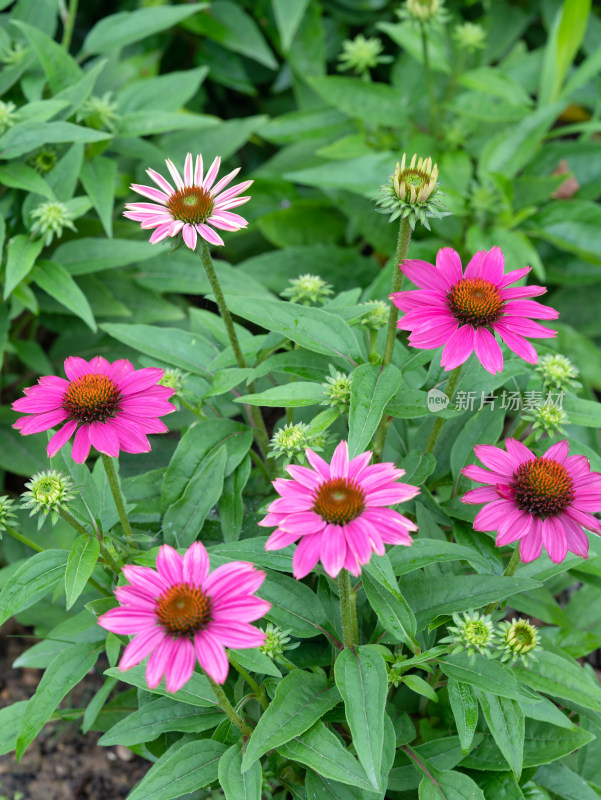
(480, 475)
(81, 444)
(530, 308)
(153, 194)
(484, 494)
(318, 464)
(421, 273)
(127, 620)
(305, 476)
(189, 171)
(196, 564)
(449, 266)
(190, 236)
(166, 650)
(61, 437)
(181, 666)
(531, 545)
(209, 234)
(170, 564)
(514, 275)
(459, 347)
(306, 555)
(177, 178)
(333, 549)
(104, 438)
(493, 266)
(212, 174)
(141, 646)
(496, 459)
(162, 232)
(41, 422)
(559, 451)
(517, 343)
(211, 656)
(554, 539)
(492, 515)
(224, 198)
(519, 451)
(236, 634)
(161, 182)
(339, 463)
(576, 537)
(224, 181)
(474, 267)
(488, 351)
(146, 579)
(198, 171)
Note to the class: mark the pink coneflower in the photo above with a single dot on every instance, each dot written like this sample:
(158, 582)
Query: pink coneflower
(179, 613)
(193, 206)
(542, 501)
(463, 311)
(337, 511)
(111, 406)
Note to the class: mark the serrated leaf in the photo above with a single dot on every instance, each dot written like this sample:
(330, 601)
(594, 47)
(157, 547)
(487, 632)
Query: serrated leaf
(80, 565)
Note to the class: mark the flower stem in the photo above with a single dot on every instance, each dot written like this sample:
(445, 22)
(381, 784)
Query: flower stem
(514, 563)
(258, 424)
(428, 76)
(257, 689)
(348, 611)
(227, 707)
(113, 480)
(70, 519)
(23, 539)
(439, 422)
(69, 24)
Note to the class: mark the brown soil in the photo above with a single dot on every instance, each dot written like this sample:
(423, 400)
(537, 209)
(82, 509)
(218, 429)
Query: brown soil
(62, 763)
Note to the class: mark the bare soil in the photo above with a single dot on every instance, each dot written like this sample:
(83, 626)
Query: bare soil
(62, 763)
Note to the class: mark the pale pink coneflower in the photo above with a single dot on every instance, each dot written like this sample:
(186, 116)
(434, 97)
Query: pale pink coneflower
(337, 511)
(194, 206)
(180, 613)
(110, 406)
(541, 501)
(463, 311)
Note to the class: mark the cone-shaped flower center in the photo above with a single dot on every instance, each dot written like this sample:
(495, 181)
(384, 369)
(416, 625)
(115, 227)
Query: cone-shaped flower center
(191, 204)
(184, 610)
(92, 398)
(542, 487)
(521, 636)
(339, 501)
(476, 301)
(477, 633)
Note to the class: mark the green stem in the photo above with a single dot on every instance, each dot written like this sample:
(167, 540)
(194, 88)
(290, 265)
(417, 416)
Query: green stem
(69, 24)
(373, 346)
(350, 633)
(23, 539)
(258, 423)
(514, 563)
(229, 709)
(439, 422)
(113, 480)
(70, 519)
(258, 690)
(530, 439)
(428, 76)
(260, 464)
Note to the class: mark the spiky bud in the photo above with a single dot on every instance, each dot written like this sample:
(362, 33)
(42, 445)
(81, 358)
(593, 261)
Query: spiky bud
(547, 418)
(276, 642)
(173, 379)
(337, 390)
(423, 11)
(412, 192)
(50, 219)
(377, 314)
(518, 639)
(8, 116)
(558, 372)
(44, 160)
(470, 37)
(307, 290)
(473, 632)
(49, 492)
(99, 113)
(7, 516)
(292, 440)
(361, 54)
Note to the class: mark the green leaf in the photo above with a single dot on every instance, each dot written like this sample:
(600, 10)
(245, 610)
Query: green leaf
(200, 442)
(327, 789)
(505, 720)
(321, 750)
(352, 175)
(302, 223)
(449, 786)
(542, 744)
(450, 593)
(362, 681)
(32, 581)
(420, 686)
(21, 176)
(432, 551)
(80, 565)
(184, 519)
(21, 254)
(561, 676)
(98, 178)
(197, 691)
(312, 328)
(293, 605)
(54, 279)
(159, 716)
(238, 785)
(10, 719)
(377, 103)
(188, 351)
(291, 395)
(483, 427)
(502, 785)
(574, 226)
(60, 68)
(253, 659)
(392, 609)
(464, 703)
(288, 17)
(167, 92)
(240, 33)
(82, 256)
(492, 81)
(371, 389)
(301, 699)
(183, 768)
(564, 782)
(126, 27)
(26, 136)
(481, 673)
(562, 46)
(63, 673)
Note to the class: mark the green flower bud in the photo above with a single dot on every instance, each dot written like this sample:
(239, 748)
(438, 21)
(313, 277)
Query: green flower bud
(49, 492)
(473, 632)
(470, 37)
(557, 372)
(50, 219)
(361, 54)
(307, 290)
(377, 314)
(518, 639)
(276, 642)
(291, 441)
(8, 116)
(7, 516)
(412, 192)
(337, 389)
(99, 113)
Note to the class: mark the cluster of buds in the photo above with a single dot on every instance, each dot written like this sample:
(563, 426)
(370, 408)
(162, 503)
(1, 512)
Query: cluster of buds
(476, 633)
(292, 440)
(337, 390)
(49, 492)
(547, 418)
(412, 192)
(49, 220)
(8, 116)
(361, 55)
(558, 372)
(307, 290)
(99, 113)
(277, 642)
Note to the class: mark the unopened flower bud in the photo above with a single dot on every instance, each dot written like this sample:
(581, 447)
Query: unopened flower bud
(423, 11)
(518, 639)
(473, 632)
(307, 290)
(377, 314)
(276, 642)
(173, 379)
(99, 113)
(412, 192)
(361, 54)
(49, 492)
(292, 440)
(547, 418)
(6, 513)
(470, 37)
(8, 116)
(557, 372)
(50, 219)
(337, 389)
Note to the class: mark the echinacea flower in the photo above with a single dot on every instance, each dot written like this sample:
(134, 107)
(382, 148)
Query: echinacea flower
(337, 511)
(463, 311)
(181, 612)
(541, 501)
(196, 205)
(111, 406)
